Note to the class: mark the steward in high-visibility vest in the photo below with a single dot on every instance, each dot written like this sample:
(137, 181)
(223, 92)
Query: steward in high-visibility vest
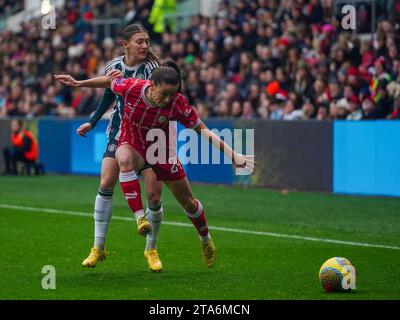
(157, 15)
(24, 147)
(26, 143)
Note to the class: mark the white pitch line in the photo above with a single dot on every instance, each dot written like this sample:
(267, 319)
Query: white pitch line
(180, 224)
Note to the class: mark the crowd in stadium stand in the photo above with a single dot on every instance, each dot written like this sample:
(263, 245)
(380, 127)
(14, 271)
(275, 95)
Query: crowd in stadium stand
(9, 7)
(275, 60)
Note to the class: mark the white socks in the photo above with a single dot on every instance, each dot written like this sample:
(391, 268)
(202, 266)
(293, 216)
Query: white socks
(154, 215)
(102, 216)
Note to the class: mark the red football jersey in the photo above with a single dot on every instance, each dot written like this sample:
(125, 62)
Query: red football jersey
(140, 116)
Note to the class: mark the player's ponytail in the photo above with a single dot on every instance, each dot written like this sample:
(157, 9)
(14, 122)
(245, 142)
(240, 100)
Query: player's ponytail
(152, 56)
(171, 64)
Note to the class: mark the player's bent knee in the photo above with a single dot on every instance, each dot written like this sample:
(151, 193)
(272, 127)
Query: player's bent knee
(108, 182)
(126, 162)
(153, 198)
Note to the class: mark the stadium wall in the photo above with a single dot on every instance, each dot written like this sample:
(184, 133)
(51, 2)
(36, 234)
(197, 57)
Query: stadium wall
(55, 144)
(346, 157)
(293, 154)
(367, 157)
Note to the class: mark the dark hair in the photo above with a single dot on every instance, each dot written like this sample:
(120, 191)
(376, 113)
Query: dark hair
(19, 121)
(171, 64)
(132, 29)
(168, 73)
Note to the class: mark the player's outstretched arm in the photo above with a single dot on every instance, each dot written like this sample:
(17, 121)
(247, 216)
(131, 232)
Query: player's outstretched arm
(238, 160)
(98, 82)
(105, 102)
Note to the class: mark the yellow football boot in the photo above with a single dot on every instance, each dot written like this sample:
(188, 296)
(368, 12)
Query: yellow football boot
(143, 226)
(209, 253)
(153, 260)
(96, 255)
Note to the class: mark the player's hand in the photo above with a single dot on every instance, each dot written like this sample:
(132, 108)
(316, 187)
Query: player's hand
(115, 74)
(246, 162)
(67, 80)
(83, 129)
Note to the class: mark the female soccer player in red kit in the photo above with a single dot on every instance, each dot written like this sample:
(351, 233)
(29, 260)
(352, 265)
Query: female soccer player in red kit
(150, 104)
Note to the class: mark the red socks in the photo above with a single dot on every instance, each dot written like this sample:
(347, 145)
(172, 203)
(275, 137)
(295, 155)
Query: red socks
(131, 188)
(198, 219)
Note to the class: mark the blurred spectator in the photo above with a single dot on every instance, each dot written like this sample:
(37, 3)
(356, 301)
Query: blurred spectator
(236, 109)
(343, 108)
(159, 10)
(202, 110)
(290, 113)
(369, 108)
(394, 92)
(309, 110)
(251, 53)
(276, 109)
(223, 109)
(9, 7)
(323, 112)
(24, 148)
(355, 112)
(248, 111)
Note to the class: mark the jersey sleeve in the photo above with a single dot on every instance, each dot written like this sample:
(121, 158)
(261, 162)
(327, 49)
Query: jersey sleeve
(106, 100)
(113, 64)
(120, 85)
(108, 68)
(150, 65)
(185, 114)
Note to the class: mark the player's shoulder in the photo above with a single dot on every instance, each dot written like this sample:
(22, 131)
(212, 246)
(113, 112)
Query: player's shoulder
(117, 59)
(131, 81)
(181, 99)
(124, 86)
(180, 103)
(114, 63)
(140, 82)
(135, 84)
(150, 64)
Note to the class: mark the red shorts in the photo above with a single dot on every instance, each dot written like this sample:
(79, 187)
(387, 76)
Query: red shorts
(163, 171)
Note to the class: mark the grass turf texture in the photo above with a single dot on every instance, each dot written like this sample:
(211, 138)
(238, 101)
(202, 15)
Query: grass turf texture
(248, 266)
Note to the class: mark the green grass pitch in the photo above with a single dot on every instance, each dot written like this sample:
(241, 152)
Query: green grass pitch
(271, 264)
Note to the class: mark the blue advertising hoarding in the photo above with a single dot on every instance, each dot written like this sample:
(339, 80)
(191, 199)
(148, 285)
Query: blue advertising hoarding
(367, 157)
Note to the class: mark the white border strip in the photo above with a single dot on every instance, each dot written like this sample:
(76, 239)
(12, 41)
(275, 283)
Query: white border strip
(180, 224)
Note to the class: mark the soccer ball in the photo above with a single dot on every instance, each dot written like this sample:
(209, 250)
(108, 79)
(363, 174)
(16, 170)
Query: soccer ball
(337, 274)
